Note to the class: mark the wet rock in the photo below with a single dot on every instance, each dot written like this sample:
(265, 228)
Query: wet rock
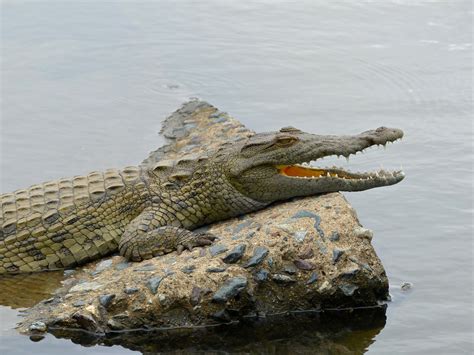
(258, 256)
(188, 269)
(86, 286)
(306, 253)
(130, 290)
(106, 300)
(348, 289)
(154, 283)
(336, 255)
(304, 265)
(283, 279)
(312, 279)
(300, 236)
(217, 249)
(334, 237)
(262, 275)
(235, 254)
(68, 272)
(215, 269)
(230, 289)
(38, 326)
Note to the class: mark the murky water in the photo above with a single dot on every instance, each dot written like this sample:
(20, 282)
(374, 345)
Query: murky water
(85, 85)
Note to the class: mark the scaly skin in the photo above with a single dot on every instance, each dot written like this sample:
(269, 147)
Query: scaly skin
(148, 212)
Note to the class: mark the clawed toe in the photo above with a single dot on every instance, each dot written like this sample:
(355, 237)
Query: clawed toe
(205, 239)
(199, 240)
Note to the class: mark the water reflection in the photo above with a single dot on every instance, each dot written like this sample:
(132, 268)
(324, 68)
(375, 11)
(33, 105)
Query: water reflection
(26, 290)
(330, 332)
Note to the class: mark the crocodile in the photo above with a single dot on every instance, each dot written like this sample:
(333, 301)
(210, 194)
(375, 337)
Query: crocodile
(146, 211)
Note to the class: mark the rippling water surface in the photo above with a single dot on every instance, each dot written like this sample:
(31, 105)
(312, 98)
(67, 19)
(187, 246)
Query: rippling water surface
(85, 85)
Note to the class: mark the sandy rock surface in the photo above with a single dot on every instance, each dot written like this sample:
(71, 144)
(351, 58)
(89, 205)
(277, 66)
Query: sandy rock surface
(304, 254)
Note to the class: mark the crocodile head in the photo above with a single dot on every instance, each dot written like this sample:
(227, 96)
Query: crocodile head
(274, 166)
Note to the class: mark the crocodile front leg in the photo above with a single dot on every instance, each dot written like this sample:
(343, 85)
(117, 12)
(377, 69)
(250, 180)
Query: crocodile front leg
(146, 237)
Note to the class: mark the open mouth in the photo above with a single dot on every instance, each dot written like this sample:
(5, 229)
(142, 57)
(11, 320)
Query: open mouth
(304, 171)
(344, 146)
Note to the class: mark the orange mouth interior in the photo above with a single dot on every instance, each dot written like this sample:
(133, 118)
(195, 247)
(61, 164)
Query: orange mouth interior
(299, 171)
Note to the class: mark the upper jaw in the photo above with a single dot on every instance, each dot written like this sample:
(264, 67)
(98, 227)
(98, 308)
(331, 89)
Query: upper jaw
(349, 145)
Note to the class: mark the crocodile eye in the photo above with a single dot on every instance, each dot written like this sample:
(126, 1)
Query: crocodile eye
(286, 141)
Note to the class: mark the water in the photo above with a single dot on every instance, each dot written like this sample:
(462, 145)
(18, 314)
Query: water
(85, 85)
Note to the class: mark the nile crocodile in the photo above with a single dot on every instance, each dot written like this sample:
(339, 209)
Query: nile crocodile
(147, 211)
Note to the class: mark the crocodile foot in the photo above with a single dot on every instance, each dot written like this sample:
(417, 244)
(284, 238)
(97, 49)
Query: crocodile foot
(197, 240)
